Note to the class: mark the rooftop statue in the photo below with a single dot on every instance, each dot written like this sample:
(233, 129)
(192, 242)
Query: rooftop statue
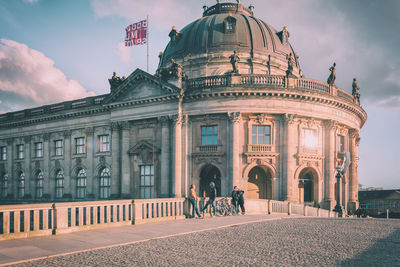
(234, 61)
(290, 64)
(332, 76)
(115, 80)
(355, 92)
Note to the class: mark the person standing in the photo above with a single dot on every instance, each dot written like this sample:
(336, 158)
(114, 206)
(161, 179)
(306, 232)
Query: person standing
(193, 200)
(212, 193)
(235, 198)
(241, 200)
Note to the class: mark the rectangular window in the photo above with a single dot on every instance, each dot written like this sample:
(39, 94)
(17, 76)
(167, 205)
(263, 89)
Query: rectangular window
(58, 146)
(38, 149)
(3, 153)
(20, 151)
(340, 143)
(104, 143)
(261, 135)
(309, 138)
(80, 147)
(209, 135)
(146, 181)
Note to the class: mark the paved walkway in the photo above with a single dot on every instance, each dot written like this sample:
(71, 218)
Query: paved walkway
(20, 250)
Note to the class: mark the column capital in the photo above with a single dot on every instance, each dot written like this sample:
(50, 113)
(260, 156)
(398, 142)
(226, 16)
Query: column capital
(89, 130)
(114, 126)
(125, 125)
(10, 141)
(289, 118)
(331, 124)
(46, 136)
(177, 119)
(235, 117)
(164, 120)
(27, 139)
(67, 133)
(354, 133)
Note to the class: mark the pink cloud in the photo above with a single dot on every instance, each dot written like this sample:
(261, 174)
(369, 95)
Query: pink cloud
(31, 78)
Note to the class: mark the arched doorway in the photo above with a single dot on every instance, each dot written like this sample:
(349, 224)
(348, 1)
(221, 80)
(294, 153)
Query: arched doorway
(308, 185)
(209, 173)
(259, 185)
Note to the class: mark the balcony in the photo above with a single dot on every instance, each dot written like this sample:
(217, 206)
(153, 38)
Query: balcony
(259, 148)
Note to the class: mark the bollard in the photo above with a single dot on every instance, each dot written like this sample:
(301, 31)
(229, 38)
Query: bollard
(387, 213)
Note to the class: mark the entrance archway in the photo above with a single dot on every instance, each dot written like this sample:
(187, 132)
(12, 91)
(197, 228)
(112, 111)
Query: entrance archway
(209, 173)
(259, 185)
(308, 185)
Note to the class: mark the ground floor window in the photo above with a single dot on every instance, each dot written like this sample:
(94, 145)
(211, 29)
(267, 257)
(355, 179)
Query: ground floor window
(4, 185)
(146, 181)
(39, 185)
(81, 184)
(105, 183)
(59, 184)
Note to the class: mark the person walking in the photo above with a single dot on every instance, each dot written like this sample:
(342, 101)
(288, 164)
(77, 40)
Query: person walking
(193, 200)
(212, 193)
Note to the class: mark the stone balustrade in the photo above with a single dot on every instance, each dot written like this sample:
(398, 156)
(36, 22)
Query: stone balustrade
(268, 81)
(28, 220)
(259, 148)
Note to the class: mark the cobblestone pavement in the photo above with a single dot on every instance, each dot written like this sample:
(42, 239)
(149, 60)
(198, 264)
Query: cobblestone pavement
(286, 242)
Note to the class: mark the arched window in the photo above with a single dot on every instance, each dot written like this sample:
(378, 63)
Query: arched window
(4, 185)
(39, 185)
(105, 183)
(229, 24)
(59, 184)
(21, 185)
(81, 184)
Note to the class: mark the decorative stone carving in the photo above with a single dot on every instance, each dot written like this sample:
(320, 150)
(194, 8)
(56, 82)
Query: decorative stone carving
(261, 118)
(78, 161)
(114, 126)
(10, 141)
(57, 164)
(235, 117)
(208, 160)
(102, 160)
(115, 81)
(355, 92)
(37, 164)
(27, 139)
(290, 64)
(331, 124)
(289, 118)
(177, 118)
(332, 76)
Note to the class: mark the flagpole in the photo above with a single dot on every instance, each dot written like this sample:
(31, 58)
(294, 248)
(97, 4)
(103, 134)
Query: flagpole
(147, 42)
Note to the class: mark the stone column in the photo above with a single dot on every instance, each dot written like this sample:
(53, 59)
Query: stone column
(90, 146)
(29, 179)
(67, 163)
(178, 156)
(115, 165)
(165, 159)
(47, 185)
(125, 170)
(290, 161)
(235, 118)
(353, 169)
(11, 169)
(330, 130)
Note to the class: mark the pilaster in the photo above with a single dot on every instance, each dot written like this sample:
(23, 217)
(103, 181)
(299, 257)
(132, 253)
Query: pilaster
(90, 146)
(115, 165)
(290, 151)
(353, 169)
(67, 163)
(330, 129)
(236, 119)
(125, 170)
(165, 156)
(178, 155)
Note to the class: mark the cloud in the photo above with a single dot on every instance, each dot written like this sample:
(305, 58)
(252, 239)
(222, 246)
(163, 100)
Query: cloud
(32, 2)
(163, 13)
(28, 78)
(124, 53)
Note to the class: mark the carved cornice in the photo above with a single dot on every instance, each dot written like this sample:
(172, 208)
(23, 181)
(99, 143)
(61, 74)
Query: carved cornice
(235, 117)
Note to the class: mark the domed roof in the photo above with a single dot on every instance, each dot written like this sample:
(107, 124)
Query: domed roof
(229, 27)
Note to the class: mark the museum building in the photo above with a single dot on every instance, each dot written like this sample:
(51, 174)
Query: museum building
(228, 104)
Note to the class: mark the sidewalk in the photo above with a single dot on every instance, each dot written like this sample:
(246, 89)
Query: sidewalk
(17, 250)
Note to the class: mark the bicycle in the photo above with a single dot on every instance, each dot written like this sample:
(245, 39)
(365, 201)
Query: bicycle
(223, 207)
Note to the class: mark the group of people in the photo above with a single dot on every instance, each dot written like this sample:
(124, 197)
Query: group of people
(237, 200)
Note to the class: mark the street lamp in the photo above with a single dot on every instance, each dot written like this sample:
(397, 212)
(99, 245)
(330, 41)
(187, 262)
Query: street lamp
(341, 170)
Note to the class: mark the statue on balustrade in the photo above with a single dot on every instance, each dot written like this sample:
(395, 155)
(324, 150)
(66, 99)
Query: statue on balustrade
(290, 64)
(115, 81)
(355, 92)
(332, 76)
(234, 61)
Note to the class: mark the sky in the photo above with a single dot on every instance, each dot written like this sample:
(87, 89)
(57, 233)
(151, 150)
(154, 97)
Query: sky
(56, 50)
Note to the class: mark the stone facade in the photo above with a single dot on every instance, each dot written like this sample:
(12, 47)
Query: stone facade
(274, 134)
